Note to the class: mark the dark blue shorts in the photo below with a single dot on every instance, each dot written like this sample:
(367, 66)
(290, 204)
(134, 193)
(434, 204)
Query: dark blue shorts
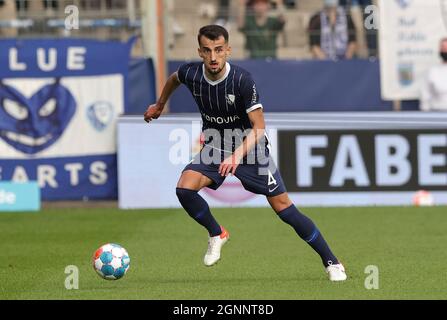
(258, 174)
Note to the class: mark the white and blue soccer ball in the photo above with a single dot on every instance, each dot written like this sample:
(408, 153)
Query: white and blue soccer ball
(111, 261)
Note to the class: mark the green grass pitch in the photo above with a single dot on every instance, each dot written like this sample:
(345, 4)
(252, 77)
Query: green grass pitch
(264, 258)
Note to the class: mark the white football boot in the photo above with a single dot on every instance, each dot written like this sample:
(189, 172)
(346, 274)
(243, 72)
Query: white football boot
(336, 272)
(214, 246)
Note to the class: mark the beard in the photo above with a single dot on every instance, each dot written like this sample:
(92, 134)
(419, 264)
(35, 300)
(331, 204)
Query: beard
(215, 71)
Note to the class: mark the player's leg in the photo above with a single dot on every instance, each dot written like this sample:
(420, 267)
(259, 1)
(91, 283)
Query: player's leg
(308, 231)
(266, 180)
(188, 186)
(272, 186)
(303, 225)
(195, 177)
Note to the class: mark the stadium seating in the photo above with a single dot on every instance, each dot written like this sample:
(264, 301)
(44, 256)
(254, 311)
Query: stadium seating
(293, 42)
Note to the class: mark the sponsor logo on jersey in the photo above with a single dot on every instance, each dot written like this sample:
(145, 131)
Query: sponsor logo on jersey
(254, 97)
(221, 120)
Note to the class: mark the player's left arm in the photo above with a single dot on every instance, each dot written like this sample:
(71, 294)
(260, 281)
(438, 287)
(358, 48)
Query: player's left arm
(230, 164)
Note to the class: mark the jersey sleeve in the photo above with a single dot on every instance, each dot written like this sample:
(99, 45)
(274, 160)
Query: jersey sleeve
(181, 72)
(249, 93)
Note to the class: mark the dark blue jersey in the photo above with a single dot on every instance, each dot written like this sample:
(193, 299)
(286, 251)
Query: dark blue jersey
(224, 103)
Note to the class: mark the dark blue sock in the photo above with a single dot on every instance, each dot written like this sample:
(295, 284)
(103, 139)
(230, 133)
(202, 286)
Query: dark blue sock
(307, 231)
(199, 210)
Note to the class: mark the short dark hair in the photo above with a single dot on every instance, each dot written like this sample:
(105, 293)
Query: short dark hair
(213, 32)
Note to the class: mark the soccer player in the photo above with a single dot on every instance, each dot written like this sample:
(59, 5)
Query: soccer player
(234, 143)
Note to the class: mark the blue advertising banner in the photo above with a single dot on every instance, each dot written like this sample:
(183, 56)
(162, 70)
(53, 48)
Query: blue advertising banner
(19, 196)
(307, 86)
(59, 102)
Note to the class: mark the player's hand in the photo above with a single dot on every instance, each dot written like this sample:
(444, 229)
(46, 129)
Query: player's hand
(229, 165)
(153, 112)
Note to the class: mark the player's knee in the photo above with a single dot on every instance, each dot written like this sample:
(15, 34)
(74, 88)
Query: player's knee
(281, 202)
(186, 184)
(282, 206)
(181, 183)
(190, 180)
(192, 202)
(185, 194)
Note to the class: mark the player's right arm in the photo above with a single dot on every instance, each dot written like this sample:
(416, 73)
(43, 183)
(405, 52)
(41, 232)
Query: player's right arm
(154, 110)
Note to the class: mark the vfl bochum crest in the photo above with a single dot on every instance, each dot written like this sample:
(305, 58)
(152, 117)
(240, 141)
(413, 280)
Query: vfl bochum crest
(230, 98)
(100, 114)
(33, 124)
(403, 3)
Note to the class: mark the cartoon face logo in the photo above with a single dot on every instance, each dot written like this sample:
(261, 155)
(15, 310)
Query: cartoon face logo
(33, 124)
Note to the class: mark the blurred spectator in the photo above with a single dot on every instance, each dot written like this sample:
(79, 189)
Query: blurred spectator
(434, 88)
(223, 13)
(366, 38)
(8, 12)
(174, 30)
(260, 27)
(332, 33)
(290, 4)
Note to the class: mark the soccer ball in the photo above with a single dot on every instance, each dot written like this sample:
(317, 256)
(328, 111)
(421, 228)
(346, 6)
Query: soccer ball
(423, 198)
(111, 261)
